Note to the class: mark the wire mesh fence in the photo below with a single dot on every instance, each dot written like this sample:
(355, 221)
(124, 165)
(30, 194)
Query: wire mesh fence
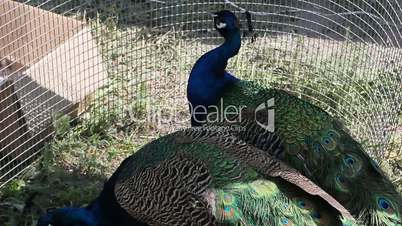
(128, 62)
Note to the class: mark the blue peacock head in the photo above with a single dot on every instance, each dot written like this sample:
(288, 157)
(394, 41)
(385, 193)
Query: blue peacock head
(226, 23)
(68, 217)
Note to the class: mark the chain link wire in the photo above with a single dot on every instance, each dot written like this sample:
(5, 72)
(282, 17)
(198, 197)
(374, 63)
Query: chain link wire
(131, 59)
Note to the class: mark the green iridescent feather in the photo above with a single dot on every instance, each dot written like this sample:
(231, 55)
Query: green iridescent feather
(199, 177)
(319, 146)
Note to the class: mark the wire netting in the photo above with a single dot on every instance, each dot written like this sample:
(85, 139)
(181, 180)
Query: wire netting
(128, 62)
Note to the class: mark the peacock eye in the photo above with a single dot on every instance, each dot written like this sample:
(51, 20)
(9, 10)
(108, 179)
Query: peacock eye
(340, 179)
(302, 204)
(316, 215)
(383, 203)
(349, 160)
(317, 148)
(285, 221)
(328, 143)
(352, 165)
(386, 205)
(333, 134)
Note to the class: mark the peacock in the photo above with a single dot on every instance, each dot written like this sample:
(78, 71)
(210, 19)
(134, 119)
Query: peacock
(202, 177)
(290, 129)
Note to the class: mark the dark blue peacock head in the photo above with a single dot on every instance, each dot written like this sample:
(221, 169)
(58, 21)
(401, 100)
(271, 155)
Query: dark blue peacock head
(68, 217)
(226, 23)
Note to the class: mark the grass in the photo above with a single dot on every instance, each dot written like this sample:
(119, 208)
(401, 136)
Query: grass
(145, 97)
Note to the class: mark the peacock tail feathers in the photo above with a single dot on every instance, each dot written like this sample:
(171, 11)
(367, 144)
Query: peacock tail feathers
(319, 146)
(201, 177)
(264, 202)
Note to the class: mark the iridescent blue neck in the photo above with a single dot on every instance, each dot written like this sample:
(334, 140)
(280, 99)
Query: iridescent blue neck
(208, 78)
(215, 61)
(230, 47)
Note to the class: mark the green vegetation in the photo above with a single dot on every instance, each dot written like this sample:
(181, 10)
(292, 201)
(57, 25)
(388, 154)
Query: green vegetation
(147, 73)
